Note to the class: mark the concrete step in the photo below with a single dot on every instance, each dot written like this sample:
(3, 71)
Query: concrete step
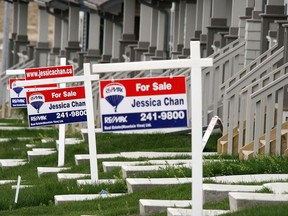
(249, 178)
(2, 182)
(19, 138)
(137, 184)
(100, 181)
(70, 141)
(241, 200)
(33, 155)
(217, 192)
(152, 206)
(85, 157)
(108, 166)
(60, 199)
(68, 176)
(153, 154)
(130, 171)
(277, 187)
(151, 165)
(21, 186)
(81, 158)
(43, 149)
(8, 163)
(186, 212)
(48, 170)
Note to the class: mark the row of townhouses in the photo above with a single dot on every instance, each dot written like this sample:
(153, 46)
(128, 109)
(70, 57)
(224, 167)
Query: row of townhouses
(247, 39)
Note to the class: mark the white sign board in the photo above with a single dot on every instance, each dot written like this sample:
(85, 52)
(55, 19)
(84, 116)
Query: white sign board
(146, 103)
(56, 106)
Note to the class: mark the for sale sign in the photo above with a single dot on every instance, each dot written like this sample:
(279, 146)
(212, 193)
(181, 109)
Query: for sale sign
(56, 106)
(18, 94)
(146, 103)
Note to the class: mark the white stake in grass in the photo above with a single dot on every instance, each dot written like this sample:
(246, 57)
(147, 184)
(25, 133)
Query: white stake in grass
(17, 191)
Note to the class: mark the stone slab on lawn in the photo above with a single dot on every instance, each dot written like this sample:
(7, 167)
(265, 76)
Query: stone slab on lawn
(48, 170)
(249, 178)
(68, 176)
(186, 212)
(217, 192)
(7, 163)
(241, 200)
(100, 181)
(277, 187)
(130, 171)
(81, 158)
(137, 184)
(60, 199)
(152, 206)
(33, 155)
(2, 182)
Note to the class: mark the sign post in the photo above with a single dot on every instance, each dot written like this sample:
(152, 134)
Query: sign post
(196, 133)
(61, 138)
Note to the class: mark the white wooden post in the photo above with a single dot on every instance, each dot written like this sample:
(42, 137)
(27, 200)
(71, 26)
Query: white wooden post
(90, 124)
(196, 133)
(61, 147)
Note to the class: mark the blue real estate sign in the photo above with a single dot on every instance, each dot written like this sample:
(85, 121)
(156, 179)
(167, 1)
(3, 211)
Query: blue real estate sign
(145, 103)
(56, 106)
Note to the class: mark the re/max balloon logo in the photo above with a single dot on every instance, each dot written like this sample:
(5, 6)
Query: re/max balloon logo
(114, 93)
(37, 100)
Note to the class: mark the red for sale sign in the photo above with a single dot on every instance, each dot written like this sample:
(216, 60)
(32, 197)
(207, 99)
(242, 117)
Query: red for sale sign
(145, 103)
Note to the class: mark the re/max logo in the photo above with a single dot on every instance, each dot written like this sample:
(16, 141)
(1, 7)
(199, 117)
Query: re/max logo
(115, 119)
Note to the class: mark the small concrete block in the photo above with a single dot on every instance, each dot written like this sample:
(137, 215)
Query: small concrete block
(43, 149)
(137, 184)
(108, 166)
(32, 155)
(60, 199)
(186, 212)
(21, 186)
(48, 170)
(217, 192)
(100, 181)
(241, 200)
(149, 206)
(7, 163)
(47, 140)
(277, 187)
(2, 182)
(68, 176)
(30, 145)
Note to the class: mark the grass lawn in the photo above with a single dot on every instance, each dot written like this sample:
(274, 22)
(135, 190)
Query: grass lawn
(39, 199)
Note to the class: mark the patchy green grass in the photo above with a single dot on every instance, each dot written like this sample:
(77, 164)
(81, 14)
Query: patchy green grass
(39, 200)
